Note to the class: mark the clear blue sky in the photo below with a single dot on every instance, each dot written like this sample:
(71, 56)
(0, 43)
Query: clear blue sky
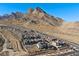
(69, 12)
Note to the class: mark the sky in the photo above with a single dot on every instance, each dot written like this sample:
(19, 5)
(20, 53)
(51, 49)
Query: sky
(67, 11)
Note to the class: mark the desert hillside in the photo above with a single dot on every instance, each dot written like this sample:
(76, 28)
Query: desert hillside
(37, 25)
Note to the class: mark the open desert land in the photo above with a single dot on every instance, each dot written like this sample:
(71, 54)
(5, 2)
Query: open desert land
(38, 33)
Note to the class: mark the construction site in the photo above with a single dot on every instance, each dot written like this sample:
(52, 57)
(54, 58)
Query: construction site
(37, 34)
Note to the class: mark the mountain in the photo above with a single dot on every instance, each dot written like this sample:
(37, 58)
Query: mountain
(36, 14)
(40, 15)
(11, 16)
(21, 33)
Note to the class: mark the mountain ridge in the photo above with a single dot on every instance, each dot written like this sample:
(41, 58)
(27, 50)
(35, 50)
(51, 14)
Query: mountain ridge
(36, 13)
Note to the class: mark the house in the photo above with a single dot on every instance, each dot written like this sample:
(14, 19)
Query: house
(30, 38)
(42, 45)
(45, 45)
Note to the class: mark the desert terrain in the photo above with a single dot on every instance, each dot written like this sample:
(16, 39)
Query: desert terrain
(37, 33)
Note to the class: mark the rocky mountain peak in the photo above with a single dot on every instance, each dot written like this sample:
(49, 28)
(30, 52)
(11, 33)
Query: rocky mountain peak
(41, 15)
(30, 10)
(37, 11)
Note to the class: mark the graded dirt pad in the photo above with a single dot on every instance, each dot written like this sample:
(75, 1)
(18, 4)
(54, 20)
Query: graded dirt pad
(15, 47)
